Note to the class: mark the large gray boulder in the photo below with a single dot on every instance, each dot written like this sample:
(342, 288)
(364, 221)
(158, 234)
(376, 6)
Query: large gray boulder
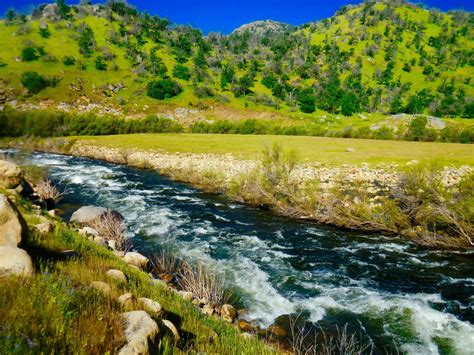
(12, 225)
(87, 214)
(140, 330)
(15, 262)
(11, 175)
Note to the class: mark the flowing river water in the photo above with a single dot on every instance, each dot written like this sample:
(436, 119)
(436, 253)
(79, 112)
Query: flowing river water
(404, 298)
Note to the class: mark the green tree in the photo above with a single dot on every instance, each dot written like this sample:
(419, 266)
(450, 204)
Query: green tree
(100, 64)
(63, 9)
(350, 104)
(163, 89)
(44, 32)
(417, 128)
(34, 82)
(29, 54)
(86, 42)
(307, 100)
(181, 72)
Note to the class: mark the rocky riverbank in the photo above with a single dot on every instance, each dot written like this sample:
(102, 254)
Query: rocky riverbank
(356, 197)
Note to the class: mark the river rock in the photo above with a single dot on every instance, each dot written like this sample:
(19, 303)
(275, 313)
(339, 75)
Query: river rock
(150, 306)
(12, 225)
(245, 326)
(127, 300)
(10, 175)
(15, 261)
(87, 214)
(100, 241)
(208, 309)
(140, 329)
(117, 275)
(228, 313)
(168, 324)
(88, 232)
(45, 228)
(136, 259)
(101, 286)
(187, 296)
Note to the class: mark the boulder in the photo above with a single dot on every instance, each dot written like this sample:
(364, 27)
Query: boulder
(45, 228)
(101, 286)
(15, 261)
(88, 232)
(10, 175)
(87, 214)
(228, 313)
(117, 275)
(172, 329)
(152, 307)
(187, 296)
(246, 326)
(100, 241)
(136, 259)
(24, 189)
(51, 12)
(127, 300)
(12, 225)
(208, 309)
(140, 330)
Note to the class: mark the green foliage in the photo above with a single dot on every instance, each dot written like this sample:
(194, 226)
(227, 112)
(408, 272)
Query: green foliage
(86, 41)
(69, 60)
(29, 54)
(181, 72)
(163, 89)
(350, 104)
(100, 64)
(35, 82)
(417, 128)
(64, 9)
(307, 100)
(44, 32)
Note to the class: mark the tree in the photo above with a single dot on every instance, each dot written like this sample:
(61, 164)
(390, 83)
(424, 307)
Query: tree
(350, 104)
(417, 128)
(63, 9)
(163, 89)
(29, 54)
(418, 102)
(34, 82)
(86, 42)
(11, 15)
(44, 32)
(69, 60)
(100, 64)
(181, 72)
(307, 100)
(227, 75)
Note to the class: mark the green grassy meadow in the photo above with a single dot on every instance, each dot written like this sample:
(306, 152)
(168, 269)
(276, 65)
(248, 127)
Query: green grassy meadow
(331, 151)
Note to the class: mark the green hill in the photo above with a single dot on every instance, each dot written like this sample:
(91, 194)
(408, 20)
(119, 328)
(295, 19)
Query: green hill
(379, 58)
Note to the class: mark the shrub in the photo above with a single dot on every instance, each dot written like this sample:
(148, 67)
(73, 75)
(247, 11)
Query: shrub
(163, 89)
(46, 190)
(28, 54)
(44, 33)
(69, 60)
(307, 100)
(100, 64)
(417, 127)
(181, 72)
(34, 82)
(204, 91)
(86, 42)
(112, 228)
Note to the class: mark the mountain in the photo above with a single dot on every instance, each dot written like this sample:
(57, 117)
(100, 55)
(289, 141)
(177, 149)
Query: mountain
(380, 57)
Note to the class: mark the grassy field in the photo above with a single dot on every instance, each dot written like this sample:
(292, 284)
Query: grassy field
(332, 151)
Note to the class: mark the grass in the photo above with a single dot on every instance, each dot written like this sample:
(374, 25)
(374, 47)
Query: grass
(331, 151)
(56, 311)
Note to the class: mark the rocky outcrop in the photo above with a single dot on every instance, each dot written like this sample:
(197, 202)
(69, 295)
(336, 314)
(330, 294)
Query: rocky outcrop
(87, 214)
(140, 331)
(11, 175)
(15, 262)
(12, 225)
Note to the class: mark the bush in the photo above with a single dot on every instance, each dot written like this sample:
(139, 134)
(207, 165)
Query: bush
(69, 60)
(28, 54)
(44, 33)
(34, 82)
(181, 72)
(307, 101)
(163, 89)
(100, 64)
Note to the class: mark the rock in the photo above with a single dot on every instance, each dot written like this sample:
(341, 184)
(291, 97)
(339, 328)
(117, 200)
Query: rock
(87, 214)
(12, 225)
(24, 189)
(207, 309)
(172, 328)
(150, 306)
(52, 213)
(246, 336)
(51, 12)
(350, 150)
(88, 231)
(119, 254)
(45, 228)
(140, 330)
(100, 241)
(127, 300)
(10, 175)
(436, 123)
(187, 296)
(15, 261)
(136, 259)
(112, 244)
(228, 313)
(246, 326)
(117, 275)
(277, 331)
(101, 286)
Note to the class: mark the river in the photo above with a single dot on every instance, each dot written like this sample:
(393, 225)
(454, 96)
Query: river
(401, 296)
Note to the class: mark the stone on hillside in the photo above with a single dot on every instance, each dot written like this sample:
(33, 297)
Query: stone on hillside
(51, 12)
(150, 306)
(24, 189)
(10, 175)
(117, 275)
(15, 261)
(88, 232)
(172, 328)
(101, 286)
(87, 214)
(136, 259)
(228, 313)
(12, 225)
(45, 228)
(436, 123)
(140, 330)
(208, 309)
(100, 241)
(127, 300)
(187, 296)
(246, 326)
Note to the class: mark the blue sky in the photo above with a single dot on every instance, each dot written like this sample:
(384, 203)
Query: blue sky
(225, 15)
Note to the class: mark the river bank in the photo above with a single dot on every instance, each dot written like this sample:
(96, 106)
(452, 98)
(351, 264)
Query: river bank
(365, 198)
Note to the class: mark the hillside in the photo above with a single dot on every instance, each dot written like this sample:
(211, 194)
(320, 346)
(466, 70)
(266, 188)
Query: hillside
(378, 58)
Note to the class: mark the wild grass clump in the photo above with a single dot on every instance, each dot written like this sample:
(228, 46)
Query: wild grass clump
(165, 263)
(206, 284)
(46, 190)
(112, 228)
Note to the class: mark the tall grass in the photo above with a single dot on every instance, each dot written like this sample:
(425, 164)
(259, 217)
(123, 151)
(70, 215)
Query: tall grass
(112, 228)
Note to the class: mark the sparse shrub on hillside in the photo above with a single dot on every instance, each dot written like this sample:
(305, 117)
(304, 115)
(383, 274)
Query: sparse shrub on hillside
(417, 128)
(46, 190)
(204, 91)
(44, 32)
(69, 60)
(100, 64)
(31, 53)
(307, 100)
(112, 228)
(181, 72)
(35, 82)
(86, 41)
(163, 89)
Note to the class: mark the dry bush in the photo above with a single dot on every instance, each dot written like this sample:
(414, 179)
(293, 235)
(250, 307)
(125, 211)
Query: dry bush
(46, 190)
(204, 284)
(111, 228)
(164, 262)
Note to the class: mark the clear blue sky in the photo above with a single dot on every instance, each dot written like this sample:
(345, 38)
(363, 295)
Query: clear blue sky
(225, 15)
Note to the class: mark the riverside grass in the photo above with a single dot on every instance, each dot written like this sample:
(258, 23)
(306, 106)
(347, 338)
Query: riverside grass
(330, 151)
(56, 310)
